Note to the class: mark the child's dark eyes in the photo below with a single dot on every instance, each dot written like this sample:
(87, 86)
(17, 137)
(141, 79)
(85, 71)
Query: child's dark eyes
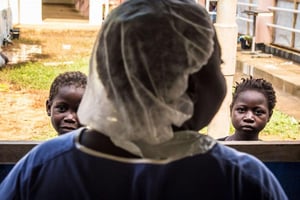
(61, 108)
(240, 110)
(259, 112)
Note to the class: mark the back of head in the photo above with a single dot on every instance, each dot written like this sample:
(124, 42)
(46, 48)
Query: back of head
(140, 67)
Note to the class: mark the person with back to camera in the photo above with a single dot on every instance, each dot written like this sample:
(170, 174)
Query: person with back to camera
(251, 108)
(154, 81)
(65, 95)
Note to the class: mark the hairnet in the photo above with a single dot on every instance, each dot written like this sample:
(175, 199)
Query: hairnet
(139, 71)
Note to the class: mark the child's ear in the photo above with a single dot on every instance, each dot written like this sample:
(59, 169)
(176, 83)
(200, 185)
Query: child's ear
(48, 107)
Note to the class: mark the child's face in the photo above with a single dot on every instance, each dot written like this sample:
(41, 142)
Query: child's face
(250, 113)
(63, 109)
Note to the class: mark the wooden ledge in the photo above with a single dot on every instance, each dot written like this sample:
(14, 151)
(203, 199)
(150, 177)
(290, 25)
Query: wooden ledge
(12, 151)
(271, 151)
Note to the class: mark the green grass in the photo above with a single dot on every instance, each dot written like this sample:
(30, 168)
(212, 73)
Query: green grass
(281, 126)
(38, 75)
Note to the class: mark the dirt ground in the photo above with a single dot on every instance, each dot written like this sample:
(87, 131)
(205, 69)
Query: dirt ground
(22, 112)
(23, 115)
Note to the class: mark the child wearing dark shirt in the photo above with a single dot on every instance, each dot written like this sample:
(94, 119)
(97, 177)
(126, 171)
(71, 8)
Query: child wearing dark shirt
(251, 109)
(65, 95)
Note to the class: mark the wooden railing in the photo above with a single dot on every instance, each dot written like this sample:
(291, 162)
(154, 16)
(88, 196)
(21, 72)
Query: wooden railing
(279, 151)
(288, 29)
(282, 158)
(12, 151)
(271, 151)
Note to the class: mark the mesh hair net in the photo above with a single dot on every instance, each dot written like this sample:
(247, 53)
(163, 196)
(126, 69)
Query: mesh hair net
(139, 71)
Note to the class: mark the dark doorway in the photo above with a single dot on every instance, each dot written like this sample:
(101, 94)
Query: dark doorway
(61, 12)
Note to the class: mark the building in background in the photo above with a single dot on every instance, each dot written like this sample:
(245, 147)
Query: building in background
(278, 22)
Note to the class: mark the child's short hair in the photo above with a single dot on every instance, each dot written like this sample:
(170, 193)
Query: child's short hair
(257, 84)
(75, 78)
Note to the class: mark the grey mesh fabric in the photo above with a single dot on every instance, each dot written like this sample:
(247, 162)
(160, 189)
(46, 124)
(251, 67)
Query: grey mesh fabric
(139, 71)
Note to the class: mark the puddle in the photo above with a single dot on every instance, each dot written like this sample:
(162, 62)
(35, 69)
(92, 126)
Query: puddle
(271, 66)
(23, 53)
(287, 63)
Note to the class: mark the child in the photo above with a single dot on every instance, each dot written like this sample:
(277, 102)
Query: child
(65, 95)
(154, 81)
(251, 108)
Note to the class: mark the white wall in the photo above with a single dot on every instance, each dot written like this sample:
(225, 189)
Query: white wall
(14, 4)
(30, 11)
(95, 11)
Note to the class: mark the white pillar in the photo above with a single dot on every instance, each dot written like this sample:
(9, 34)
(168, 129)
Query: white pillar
(226, 29)
(30, 12)
(106, 8)
(14, 4)
(95, 12)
